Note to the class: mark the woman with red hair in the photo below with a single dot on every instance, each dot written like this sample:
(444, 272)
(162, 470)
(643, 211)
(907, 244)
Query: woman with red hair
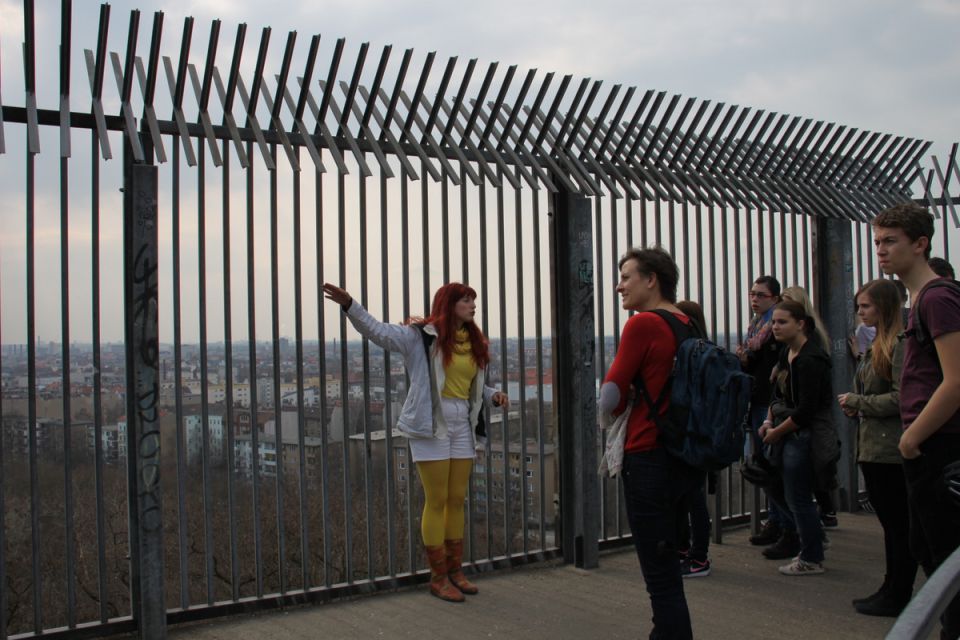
(440, 415)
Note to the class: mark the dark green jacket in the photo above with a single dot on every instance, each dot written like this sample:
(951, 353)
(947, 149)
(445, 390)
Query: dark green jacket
(878, 401)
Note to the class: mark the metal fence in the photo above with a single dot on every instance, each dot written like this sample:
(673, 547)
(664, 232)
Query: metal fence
(188, 430)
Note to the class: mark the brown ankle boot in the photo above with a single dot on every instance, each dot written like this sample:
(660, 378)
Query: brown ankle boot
(440, 585)
(454, 572)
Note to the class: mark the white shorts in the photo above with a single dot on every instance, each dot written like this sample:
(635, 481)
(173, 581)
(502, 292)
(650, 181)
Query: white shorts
(458, 444)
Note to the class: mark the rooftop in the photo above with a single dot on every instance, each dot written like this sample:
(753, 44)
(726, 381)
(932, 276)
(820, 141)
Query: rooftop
(744, 598)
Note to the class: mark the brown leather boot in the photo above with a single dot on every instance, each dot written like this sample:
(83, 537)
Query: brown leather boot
(454, 572)
(440, 585)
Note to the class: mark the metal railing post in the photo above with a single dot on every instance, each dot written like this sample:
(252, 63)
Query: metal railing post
(834, 255)
(141, 315)
(575, 378)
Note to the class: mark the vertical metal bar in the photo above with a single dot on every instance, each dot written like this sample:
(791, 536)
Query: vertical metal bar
(344, 385)
(322, 358)
(367, 471)
(183, 521)
(521, 363)
(538, 321)
(685, 230)
(615, 312)
(97, 391)
(387, 382)
(70, 539)
(405, 271)
(445, 223)
(504, 425)
(228, 365)
(425, 230)
(3, 506)
(305, 582)
(783, 246)
(252, 354)
(143, 396)
(485, 319)
(277, 400)
(807, 263)
(601, 337)
(204, 389)
(32, 387)
(761, 257)
(712, 241)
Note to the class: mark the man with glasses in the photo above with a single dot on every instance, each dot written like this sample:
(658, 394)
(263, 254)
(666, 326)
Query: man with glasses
(759, 354)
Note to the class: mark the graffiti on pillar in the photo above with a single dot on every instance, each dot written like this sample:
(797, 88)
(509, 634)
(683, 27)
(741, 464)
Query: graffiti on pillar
(147, 349)
(585, 274)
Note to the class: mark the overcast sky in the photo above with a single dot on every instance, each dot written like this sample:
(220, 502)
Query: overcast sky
(884, 65)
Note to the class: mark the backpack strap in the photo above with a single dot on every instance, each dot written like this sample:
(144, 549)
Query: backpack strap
(680, 332)
(919, 330)
(427, 339)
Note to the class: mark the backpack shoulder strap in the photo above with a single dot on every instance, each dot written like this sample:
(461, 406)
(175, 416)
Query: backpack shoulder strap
(427, 339)
(920, 331)
(680, 333)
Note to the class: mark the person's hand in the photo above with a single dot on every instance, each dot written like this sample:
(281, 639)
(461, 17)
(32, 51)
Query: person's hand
(500, 399)
(772, 435)
(909, 448)
(854, 347)
(847, 410)
(766, 426)
(338, 295)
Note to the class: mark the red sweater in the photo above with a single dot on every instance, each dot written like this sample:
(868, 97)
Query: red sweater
(648, 348)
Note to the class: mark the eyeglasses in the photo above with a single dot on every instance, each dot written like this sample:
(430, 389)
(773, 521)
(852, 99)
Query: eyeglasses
(759, 294)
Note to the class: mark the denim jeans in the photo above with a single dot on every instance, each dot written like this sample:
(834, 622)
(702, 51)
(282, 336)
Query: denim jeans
(657, 488)
(794, 494)
(934, 520)
(758, 413)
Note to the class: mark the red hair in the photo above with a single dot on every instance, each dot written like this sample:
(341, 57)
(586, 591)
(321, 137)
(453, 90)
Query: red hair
(442, 317)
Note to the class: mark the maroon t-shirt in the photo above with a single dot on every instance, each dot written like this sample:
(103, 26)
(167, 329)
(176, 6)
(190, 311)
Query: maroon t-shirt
(921, 368)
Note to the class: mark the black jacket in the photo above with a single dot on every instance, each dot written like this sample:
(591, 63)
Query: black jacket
(759, 365)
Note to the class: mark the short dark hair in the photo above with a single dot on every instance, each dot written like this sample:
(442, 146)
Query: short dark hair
(916, 222)
(656, 261)
(770, 283)
(942, 268)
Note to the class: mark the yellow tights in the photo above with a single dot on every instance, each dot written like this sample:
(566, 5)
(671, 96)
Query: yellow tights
(445, 489)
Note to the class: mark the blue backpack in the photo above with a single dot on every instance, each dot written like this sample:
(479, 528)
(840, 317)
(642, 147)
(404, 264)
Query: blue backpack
(709, 400)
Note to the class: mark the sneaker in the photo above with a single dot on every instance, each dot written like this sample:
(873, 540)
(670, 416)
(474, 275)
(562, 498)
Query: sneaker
(800, 567)
(769, 533)
(691, 568)
(786, 547)
(826, 542)
(829, 520)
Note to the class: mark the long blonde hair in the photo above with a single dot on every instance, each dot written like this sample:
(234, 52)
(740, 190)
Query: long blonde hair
(885, 296)
(798, 294)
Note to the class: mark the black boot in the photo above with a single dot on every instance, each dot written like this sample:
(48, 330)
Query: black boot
(769, 533)
(788, 546)
(879, 593)
(888, 605)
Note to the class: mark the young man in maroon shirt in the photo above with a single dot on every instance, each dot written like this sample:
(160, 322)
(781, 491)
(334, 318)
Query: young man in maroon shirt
(929, 389)
(656, 485)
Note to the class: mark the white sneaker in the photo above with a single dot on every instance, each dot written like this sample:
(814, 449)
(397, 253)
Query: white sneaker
(800, 567)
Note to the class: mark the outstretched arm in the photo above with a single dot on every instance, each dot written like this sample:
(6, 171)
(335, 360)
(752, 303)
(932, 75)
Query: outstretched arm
(393, 337)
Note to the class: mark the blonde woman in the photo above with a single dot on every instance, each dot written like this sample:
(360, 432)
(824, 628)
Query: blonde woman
(876, 401)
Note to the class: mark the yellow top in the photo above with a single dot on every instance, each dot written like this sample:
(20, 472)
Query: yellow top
(461, 370)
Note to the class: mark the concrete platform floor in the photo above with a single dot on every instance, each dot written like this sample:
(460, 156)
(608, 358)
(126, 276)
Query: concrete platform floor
(744, 598)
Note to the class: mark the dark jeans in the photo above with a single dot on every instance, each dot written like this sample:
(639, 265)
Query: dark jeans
(657, 488)
(888, 495)
(934, 521)
(695, 529)
(794, 493)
